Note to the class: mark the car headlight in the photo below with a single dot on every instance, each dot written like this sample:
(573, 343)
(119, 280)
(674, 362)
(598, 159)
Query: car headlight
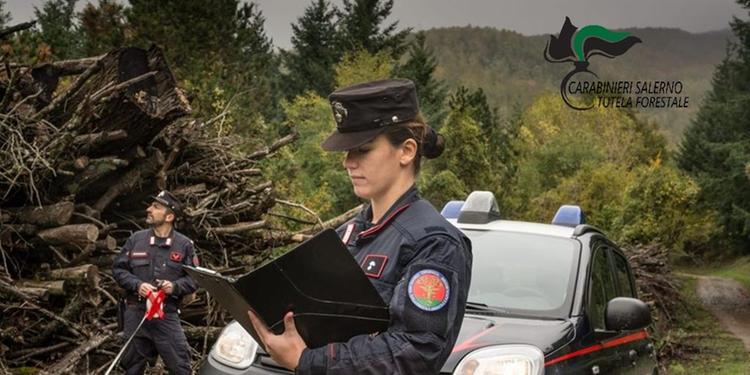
(503, 360)
(235, 347)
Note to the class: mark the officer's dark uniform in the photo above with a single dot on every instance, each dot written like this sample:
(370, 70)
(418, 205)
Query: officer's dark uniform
(146, 258)
(419, 263)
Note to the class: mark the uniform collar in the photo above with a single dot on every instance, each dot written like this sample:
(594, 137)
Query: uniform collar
(404, 201)
(153, 239)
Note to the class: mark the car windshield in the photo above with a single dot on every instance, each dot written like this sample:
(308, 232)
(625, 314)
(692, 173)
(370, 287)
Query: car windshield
(522, 273)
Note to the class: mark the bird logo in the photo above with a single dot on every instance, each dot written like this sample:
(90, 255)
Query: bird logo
(578, 45)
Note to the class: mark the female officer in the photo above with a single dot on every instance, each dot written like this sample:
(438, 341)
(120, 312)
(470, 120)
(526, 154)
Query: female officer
(419, 263)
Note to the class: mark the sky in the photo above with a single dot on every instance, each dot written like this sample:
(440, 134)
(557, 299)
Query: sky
(528, 17)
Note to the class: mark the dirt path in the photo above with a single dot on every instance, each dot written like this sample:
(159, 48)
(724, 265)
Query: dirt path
(729, 301)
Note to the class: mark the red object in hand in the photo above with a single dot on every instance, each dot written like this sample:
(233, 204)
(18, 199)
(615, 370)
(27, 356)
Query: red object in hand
(155, 305)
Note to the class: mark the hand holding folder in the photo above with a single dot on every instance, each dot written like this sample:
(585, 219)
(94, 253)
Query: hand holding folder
(318, 280)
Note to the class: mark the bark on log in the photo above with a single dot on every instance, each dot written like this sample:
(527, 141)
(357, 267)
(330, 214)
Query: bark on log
(42, 289)
(88, 142)
(130, 180)
(75, 234)
(146, 106)
(108, 243)
(49, 216)
(67, 364)
(87, 274)
(240, 227)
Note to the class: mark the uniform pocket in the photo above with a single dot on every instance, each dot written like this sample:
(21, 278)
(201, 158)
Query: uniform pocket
(141, 268)
(135, 263)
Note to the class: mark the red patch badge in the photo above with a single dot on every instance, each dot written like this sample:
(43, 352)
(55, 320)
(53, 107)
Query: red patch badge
(175, 256)
(429, 290)
(374, 265)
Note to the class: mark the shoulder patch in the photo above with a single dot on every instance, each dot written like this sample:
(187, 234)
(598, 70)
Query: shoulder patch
(429, 290)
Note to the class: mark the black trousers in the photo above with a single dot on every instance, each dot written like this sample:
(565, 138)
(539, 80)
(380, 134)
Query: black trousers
(163, 337)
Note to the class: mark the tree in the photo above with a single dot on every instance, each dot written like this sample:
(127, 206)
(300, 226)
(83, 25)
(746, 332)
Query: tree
(466, 154)
(360, 28)
(103, 27)
(361, 66)
(498, 136)
(420, 67)
(716, 146)
(220, 52)
(5, 16)
(56, 19)
(314, 53)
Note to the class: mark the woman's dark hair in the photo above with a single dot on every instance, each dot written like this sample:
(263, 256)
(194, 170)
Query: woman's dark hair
(430, 143)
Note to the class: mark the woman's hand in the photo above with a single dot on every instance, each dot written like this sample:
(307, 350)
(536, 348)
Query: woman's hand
(286, 348)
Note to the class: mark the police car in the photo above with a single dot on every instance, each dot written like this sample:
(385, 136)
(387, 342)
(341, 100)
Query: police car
(555, 298)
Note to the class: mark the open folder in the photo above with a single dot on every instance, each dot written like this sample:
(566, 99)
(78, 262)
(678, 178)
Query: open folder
(318, 280)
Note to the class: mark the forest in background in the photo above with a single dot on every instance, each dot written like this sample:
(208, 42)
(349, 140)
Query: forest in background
(664, 183)
(488, 91)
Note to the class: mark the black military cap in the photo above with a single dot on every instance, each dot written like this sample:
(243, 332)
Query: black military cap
(365, 110)
(167, 199)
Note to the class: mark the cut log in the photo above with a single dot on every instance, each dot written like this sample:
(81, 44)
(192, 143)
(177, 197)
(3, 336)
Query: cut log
(87, 274)
(145, 108)
(75, 234)
(67, 364)
(95, 170)
(130, 180)
(42, 289)
(107, 244)
(88, 142)
(49, 216)
(240, 227)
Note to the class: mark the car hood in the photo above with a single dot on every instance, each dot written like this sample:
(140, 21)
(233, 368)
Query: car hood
(478, 331)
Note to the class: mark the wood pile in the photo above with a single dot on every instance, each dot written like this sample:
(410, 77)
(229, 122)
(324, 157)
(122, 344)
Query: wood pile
(84, 144)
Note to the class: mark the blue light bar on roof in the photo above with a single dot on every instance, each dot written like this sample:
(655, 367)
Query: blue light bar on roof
(569, 216)
(452, 209)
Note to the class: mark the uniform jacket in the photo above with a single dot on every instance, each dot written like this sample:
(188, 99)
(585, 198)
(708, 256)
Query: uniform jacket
(146, 258)
(421, 266)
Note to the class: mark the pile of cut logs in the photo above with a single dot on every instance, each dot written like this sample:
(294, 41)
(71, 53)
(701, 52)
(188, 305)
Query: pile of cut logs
(83, 145)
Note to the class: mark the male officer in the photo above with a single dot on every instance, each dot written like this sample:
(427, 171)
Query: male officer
(152, 259)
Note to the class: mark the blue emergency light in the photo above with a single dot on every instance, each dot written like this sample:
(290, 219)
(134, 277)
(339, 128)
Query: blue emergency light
(452, 209)
(569, 216)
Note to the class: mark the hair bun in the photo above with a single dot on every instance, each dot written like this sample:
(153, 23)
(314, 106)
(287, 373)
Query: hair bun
(433, 144)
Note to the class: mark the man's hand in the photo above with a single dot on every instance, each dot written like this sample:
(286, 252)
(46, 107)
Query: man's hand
(166, 286)
(286, 348)
(145, 288)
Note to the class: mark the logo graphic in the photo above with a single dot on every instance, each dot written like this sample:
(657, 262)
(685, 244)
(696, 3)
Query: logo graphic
(578, 45)
(175, 256)
(429, 290)
(339, 111)
(374, 264)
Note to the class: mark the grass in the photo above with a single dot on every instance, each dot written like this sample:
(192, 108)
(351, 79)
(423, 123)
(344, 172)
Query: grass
(737, 269)
(712, 349)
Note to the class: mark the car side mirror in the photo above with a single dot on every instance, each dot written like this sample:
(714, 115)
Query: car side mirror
(626, 314)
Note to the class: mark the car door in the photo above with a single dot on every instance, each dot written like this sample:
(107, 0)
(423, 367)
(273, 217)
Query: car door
(600, 288)
(638, 350)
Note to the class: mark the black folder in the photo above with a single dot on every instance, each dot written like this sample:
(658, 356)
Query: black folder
(318, 280)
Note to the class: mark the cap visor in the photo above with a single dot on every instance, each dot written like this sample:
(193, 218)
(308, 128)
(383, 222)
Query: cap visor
(160, 200)
(338, 141)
